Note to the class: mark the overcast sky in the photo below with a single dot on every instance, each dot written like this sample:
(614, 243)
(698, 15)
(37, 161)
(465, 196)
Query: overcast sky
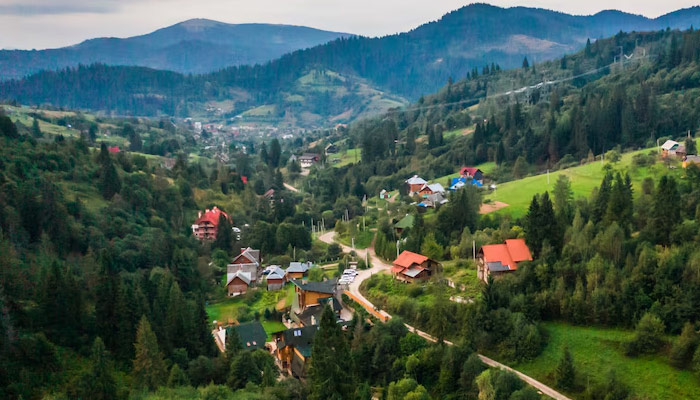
(27, 24)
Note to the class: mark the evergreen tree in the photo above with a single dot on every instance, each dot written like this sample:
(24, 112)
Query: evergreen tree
(526, 63)
(275, 153)
(690, 146)
(224, 234)
(36, 130)
(233, 344)
(177, 377)
(329, 377)
(243, 370)
(98, 383)
(565, 373)
(149, 369)
(110, 184)
(666, 210)
(684, 346)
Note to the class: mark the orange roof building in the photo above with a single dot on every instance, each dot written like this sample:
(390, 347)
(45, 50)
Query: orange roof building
(498, 259)
(413, 267)
(204, 227)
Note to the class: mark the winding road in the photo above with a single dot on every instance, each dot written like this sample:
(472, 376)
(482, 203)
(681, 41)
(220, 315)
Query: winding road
(378, 267)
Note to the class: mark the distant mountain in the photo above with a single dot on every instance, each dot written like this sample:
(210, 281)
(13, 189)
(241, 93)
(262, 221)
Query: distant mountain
(367, 74)
(193, 46)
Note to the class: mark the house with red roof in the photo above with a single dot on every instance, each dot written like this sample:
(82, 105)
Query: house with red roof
(500, 259)
(204, 227)
(472, 173)
(413, 267)
(113, 149)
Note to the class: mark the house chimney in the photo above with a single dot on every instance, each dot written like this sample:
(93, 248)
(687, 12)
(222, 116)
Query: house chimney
(199, 215)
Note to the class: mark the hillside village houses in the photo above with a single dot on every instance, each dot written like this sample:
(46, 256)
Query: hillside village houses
(308, 159)
(498, 259)
(206, 224)
(411, 267)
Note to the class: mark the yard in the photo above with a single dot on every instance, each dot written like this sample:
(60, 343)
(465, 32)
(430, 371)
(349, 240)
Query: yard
(596, 351)
(363, 239)
(244, 308)
(342, 159)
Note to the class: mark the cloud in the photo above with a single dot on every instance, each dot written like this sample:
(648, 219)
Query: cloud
(57, 7)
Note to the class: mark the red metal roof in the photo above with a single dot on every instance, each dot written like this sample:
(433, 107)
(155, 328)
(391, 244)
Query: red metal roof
(211, 216)
(408, 258)
(510, 253)
(113, 149)
(468, 171)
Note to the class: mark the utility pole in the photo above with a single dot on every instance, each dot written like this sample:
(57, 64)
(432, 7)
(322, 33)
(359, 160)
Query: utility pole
(473, 249)
(397, 248)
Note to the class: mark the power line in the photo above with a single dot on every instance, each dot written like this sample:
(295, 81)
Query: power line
(522, 89)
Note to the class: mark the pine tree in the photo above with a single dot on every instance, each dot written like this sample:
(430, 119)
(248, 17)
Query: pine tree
(149, 369)
(98, 383)
(329, 377)
(224, 234)
(275, 153)
(565, 373)
(110, 184)
(36, 130)
(526, 64)
(243, 370)
(177, 377)
(233, 344)
(684, 346)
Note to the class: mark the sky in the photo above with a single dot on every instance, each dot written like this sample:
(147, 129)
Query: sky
(40, 24)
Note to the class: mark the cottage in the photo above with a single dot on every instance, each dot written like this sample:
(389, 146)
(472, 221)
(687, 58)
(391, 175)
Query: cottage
(415, 184)
(251, 335)
(248, 261)
(298, 270)
(412, 267)
(405, 223)
(472, 173)
(312, 314)
(691, 160)
(331, 149)
(671, 148)
(205, 226)
(499, 259)
(308, 159)
(237, 282)
(276, 278)
(428, 189)
(433, 200)
(310, 293)
(293, 349)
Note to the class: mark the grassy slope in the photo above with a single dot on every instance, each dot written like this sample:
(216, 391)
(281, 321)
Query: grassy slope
(596, 351)
(519, 193)
(350, 156)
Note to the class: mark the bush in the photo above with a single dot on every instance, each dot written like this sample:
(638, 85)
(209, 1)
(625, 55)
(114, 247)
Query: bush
(648, 336)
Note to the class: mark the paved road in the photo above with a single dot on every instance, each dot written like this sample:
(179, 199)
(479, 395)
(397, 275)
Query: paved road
(379, 266)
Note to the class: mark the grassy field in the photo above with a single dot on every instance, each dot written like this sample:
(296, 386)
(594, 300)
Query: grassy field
(344, 158)
(363, 239)
(518, 194)
(463, 272)
(596, 351)
(239, 307)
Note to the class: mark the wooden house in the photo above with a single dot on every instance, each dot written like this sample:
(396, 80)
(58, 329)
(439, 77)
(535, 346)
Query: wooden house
(498, 259)
(293, 349)
(298, 270)
(248, 261)
(276, 278)
(310, 293)
(413, 267)
(237, 283)
(415, 183)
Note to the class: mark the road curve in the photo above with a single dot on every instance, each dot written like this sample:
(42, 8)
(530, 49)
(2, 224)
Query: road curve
(379, 266)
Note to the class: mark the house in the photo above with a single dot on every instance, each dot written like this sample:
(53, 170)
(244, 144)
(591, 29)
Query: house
(384, 195)
(472, 173)
(248, 261)
(433, 200)
(276, 278)
(458, 183)
(310, 293)
(691, 160)
(298, 270)
(331, 149)
(293, 349)
(251, 335)
(415, 183)
(405, 223)
(204, 227)
(672, 148)
(237, 283)
(412, 267)
(499, 259)
(428, 189)
(308, 159)
(312, 314)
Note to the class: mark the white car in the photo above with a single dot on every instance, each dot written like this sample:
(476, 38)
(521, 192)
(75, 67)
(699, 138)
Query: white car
(352, 272)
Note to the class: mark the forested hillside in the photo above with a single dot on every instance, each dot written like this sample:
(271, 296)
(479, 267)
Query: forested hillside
(193, 46)
(369, 70)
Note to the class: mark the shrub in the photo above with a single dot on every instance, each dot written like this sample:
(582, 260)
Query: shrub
(648, 336)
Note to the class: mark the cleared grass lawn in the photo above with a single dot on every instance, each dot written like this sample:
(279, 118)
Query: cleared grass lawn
(363, 239)
(518, 194)
(462, 272)
(236, 307)
(596, 351)
(344, 158)
(272, 327)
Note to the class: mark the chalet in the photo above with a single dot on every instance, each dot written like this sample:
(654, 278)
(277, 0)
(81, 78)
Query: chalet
(671, 148)
(298, 270)
(248, 261)
(412, 267)
(251, 335)
(428, 189)
(308, 159)
(499, 259)
(331, 149)
(691, 160)
(472, 173)
(204, 227)
(310, 293)
(415, 183)
(237, 282)
(405, 223)
(293, 349)
(276, 278)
